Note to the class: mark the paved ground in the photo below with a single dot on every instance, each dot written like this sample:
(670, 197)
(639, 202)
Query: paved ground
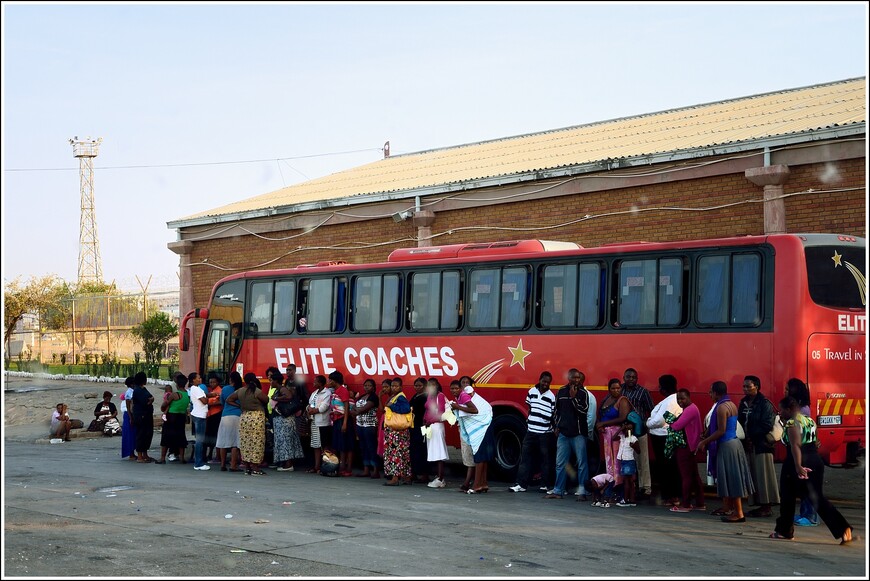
(64, 516)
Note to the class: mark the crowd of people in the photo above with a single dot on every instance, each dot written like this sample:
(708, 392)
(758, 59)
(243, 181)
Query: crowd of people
(243, 427)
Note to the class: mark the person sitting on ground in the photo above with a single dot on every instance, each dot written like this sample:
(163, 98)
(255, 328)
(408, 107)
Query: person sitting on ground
(106, 415)
(60, 422)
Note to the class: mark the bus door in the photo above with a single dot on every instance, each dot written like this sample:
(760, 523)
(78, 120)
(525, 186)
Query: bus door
(218, 350)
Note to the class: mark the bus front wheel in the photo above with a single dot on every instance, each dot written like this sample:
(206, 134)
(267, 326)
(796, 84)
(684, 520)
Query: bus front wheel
(508, 431)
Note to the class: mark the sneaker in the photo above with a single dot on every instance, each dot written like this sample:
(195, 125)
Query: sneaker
(543, 489)
(604, 505)
(551, 491)
(282, 469)
(518, 488)
(435, 483)
(172, 458)
(805, 522)
(625, 504)
(203, 467)
(596, 503)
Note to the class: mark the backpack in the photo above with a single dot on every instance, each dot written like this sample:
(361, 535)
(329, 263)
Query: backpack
(639, 428)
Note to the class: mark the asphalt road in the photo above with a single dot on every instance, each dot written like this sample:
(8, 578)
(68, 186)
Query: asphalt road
(63, 517)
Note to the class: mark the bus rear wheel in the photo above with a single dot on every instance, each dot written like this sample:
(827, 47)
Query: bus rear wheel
(508, 431)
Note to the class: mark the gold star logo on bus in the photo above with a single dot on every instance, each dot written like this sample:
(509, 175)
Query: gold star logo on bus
(518, 355)
(836, 258)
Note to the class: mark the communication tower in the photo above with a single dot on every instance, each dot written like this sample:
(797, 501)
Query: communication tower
(90, 265)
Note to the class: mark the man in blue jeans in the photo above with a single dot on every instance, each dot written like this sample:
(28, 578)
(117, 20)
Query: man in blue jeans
(575, 420)
(199, 401)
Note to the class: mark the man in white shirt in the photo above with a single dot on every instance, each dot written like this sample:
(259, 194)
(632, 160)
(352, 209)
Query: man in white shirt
(665, 470)
(198, 415)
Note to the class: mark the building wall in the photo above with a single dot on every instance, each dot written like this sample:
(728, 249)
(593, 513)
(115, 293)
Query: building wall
(638, 213)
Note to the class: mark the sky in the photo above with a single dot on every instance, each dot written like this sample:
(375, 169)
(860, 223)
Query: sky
(191, 91)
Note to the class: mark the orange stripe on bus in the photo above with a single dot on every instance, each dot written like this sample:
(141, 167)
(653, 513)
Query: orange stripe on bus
(849, 403)
(826, 407)
(837, 407)
(859, 411)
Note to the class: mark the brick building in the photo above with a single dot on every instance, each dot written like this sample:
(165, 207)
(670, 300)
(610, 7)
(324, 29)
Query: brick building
(789, 161)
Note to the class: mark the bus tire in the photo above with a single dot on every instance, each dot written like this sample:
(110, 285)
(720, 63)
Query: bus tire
(508, 430)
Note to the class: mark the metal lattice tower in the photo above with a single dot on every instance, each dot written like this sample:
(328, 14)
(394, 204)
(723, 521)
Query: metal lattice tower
(90, 264)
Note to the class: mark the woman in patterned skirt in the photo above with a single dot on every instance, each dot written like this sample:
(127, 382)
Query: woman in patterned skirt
(252, 425)
(397, 443)
(287, 446)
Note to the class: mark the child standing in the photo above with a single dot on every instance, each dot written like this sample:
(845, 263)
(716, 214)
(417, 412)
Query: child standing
(628, 446)
(601, 487)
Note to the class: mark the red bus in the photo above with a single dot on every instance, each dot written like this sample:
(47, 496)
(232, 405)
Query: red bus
(777, 307)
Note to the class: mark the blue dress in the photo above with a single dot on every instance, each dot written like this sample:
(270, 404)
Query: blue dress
(128, 430)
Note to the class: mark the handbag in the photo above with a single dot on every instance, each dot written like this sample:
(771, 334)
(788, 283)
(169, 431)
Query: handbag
(775, 433)
(396, 421)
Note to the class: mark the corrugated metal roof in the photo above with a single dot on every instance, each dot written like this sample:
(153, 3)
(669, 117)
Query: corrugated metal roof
(738, 120)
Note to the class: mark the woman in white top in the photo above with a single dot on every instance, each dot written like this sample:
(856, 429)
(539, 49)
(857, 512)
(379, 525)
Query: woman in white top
(319, 405)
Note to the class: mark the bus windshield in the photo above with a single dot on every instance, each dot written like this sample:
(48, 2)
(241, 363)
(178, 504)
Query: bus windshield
(836, 276)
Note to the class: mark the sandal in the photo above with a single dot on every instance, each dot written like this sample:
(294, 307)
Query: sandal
(160, 461)
(776, 535)
(720, 512)
(678, 508)
(257, 473)
(844, 540)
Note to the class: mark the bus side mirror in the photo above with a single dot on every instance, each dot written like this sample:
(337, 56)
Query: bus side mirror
(185, 340)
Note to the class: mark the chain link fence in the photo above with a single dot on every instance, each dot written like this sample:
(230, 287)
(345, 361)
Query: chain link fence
(95, 332)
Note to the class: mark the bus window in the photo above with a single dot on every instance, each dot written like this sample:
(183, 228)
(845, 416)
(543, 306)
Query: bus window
(261, 306)
(571, 295)
(514, 292)
(391, 308)
(836, 276)
(326, 305)
(483, 284)
(451, 301)
(283, 319)
(637, 304)
(499, 298)
(651, 292)
(435, 301)
(713, 283)
(559, 296)
(745, 289)
(670, 291)
(375, 305)
(729, 289)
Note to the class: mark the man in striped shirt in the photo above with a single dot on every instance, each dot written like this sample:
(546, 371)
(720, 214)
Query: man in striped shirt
(539, 434)
(642, 402)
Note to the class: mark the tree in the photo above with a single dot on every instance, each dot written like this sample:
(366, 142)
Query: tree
(155, 333)
(40, 295)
